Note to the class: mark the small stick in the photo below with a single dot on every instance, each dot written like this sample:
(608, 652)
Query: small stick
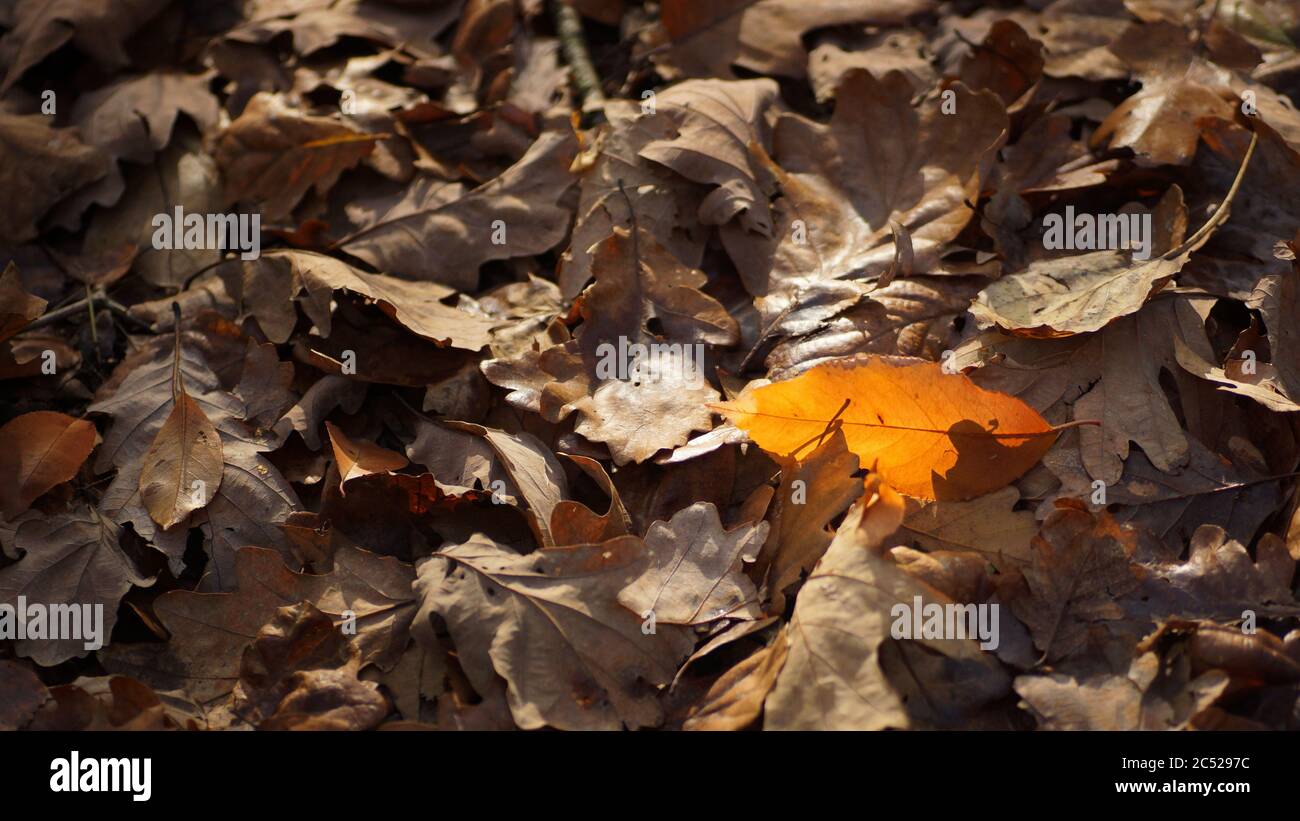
(568, 25)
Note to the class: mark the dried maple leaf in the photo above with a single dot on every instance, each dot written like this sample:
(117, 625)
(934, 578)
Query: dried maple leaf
(39, 451)
(930, 434)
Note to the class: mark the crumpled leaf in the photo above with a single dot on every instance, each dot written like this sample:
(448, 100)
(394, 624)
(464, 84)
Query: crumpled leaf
(300, 673)
(209, 632)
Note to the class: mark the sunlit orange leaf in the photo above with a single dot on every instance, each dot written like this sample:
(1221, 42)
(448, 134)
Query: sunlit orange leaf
(930, 434)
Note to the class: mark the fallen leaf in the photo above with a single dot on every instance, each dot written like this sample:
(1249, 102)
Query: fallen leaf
(300, 673)
(71, 559)
(39, 451)
(556, 607)
(181, 470)
(696, 569)
(928, 433)
(360, 458)
(1081, 565)
(210, 631)
(272, 155)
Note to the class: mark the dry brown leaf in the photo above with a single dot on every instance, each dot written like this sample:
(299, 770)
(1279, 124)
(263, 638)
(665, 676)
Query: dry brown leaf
(696, 569)
(71, 558)
(555, 608)
(735, 701)
(832, 676)
(300, 673)
(39, 451)
(360, 458)
(764, 36)
(273, 155)
(181, 470)
(209, 632)
(1081, 565)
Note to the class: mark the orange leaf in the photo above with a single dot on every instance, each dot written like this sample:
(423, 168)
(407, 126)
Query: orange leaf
(38, 451)
(930, 434)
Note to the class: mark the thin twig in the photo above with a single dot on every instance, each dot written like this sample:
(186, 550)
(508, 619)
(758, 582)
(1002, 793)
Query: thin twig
(568, 25)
